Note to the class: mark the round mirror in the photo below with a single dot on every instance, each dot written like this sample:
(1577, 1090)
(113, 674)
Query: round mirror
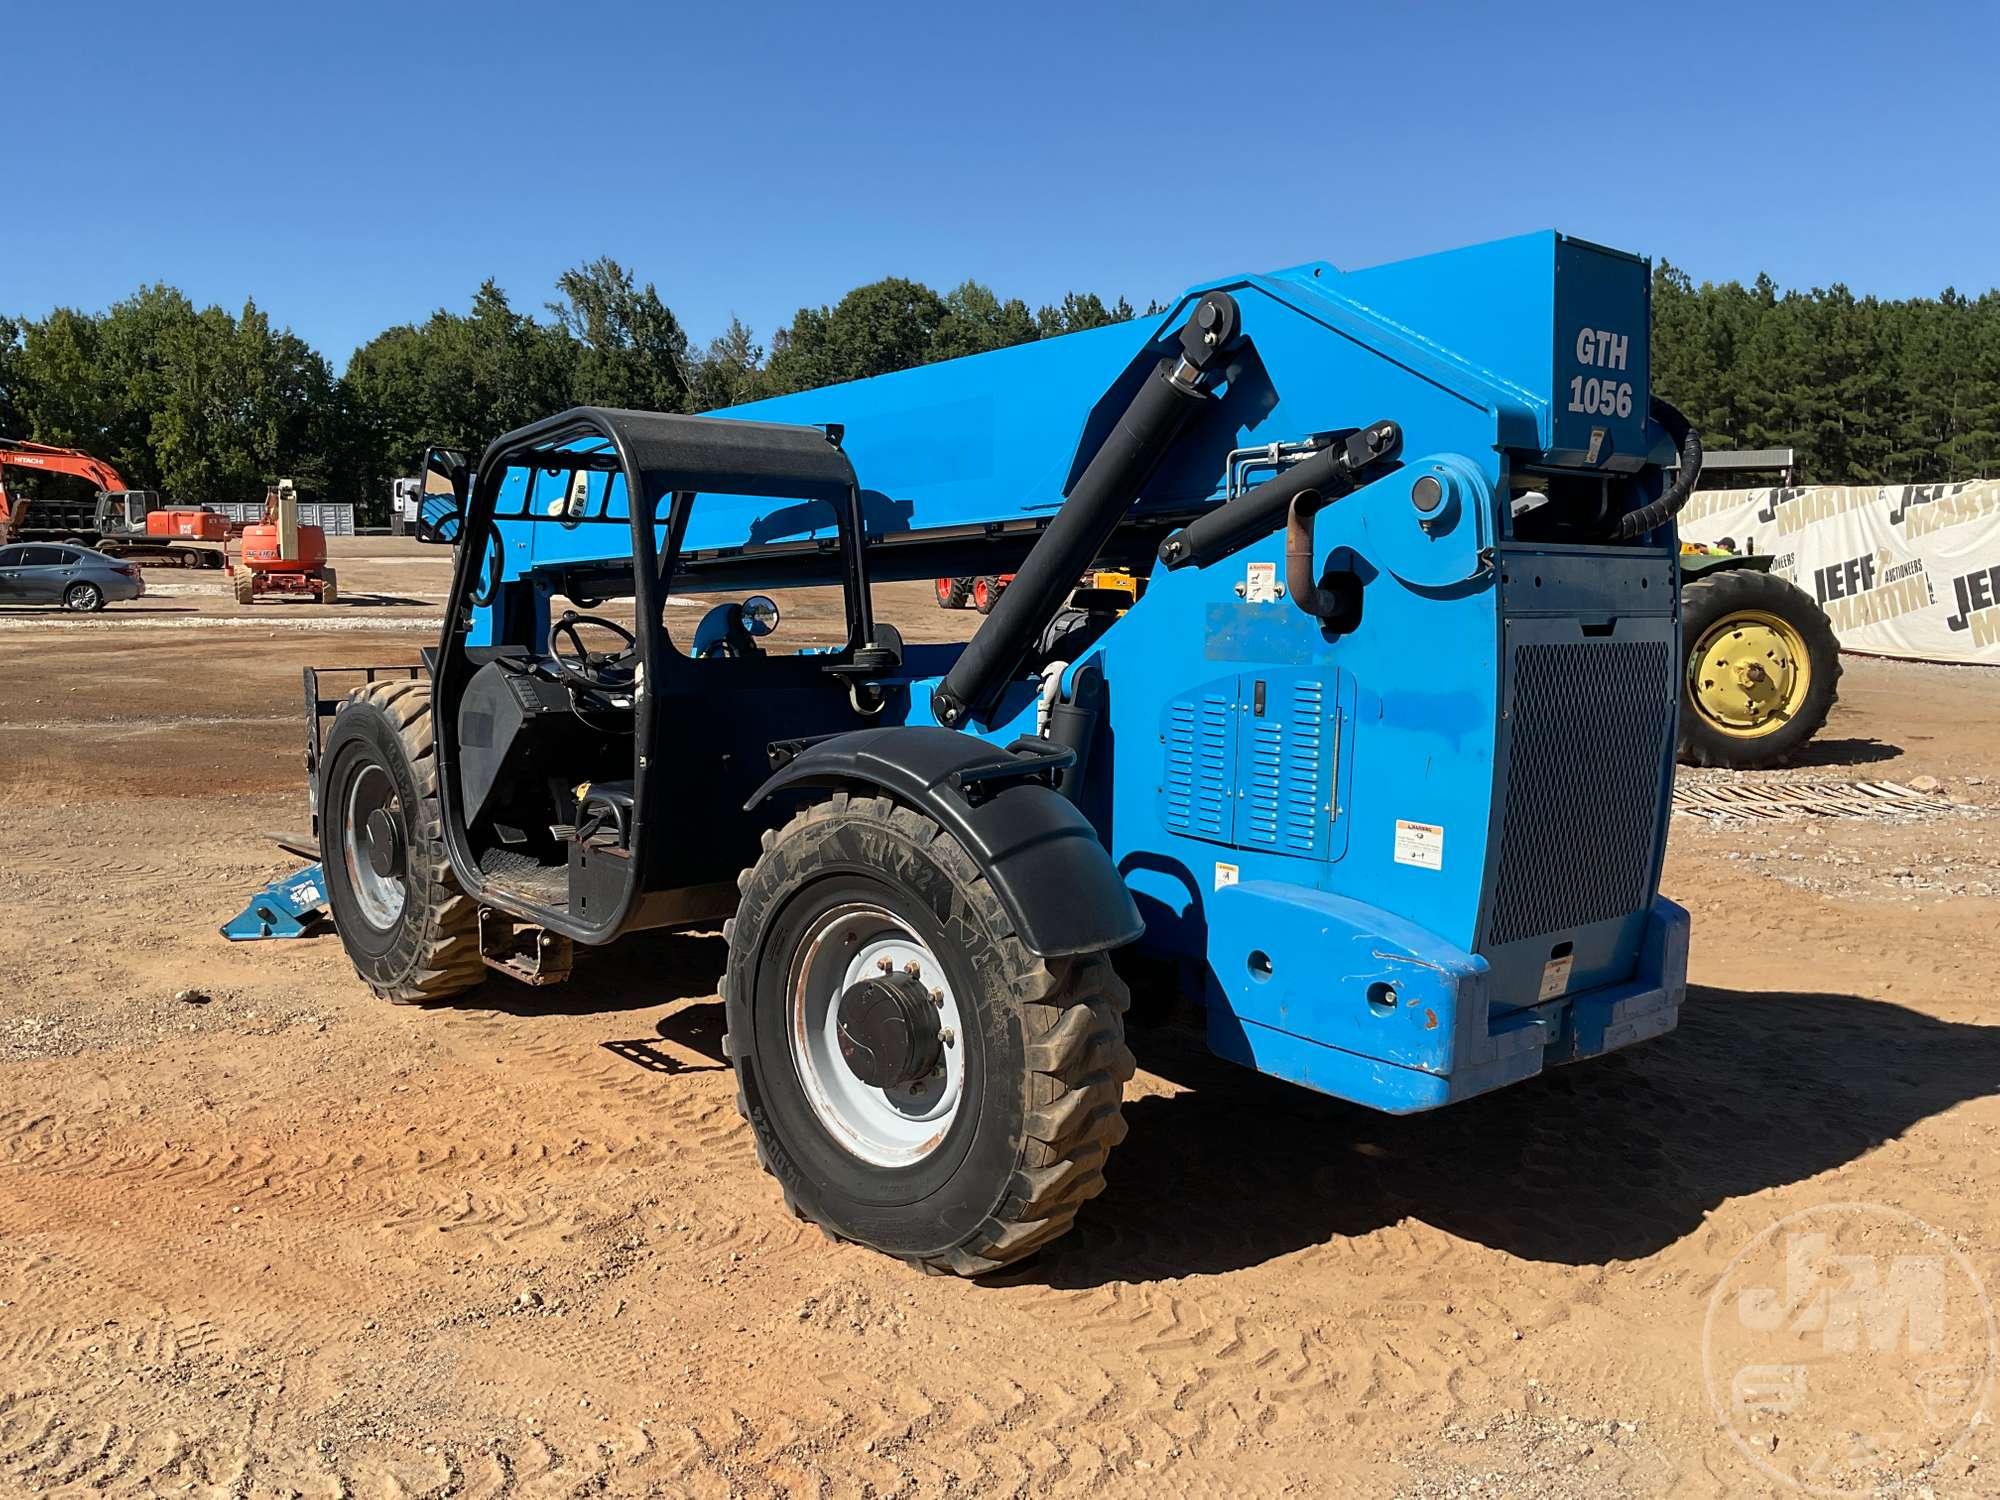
(760, 614)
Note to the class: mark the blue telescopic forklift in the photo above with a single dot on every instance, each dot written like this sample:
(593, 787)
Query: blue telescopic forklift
(1373, 772)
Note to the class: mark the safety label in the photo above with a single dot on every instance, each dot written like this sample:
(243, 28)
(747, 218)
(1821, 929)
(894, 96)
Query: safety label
(1419, 844)
(1225, 874)
(1260, 583)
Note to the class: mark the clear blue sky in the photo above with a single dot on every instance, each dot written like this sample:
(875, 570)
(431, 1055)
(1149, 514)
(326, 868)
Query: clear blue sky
(359, 164)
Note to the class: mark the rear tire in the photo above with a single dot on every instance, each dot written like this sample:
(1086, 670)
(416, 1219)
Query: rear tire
(329, 592)
(985, 593)
(246, 587)
(1717, 612)
(953, 592)
(1036, 1098)
(83, 598)
(413, 934)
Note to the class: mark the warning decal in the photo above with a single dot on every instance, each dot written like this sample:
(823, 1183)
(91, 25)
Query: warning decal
(1419, 844)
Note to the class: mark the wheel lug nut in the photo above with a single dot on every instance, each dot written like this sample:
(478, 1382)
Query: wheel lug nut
(937, 998)
(948, 1037)
(886, 964)
(913, 968)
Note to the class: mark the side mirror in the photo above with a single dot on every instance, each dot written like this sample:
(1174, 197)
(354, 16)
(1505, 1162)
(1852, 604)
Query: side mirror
(760, 614)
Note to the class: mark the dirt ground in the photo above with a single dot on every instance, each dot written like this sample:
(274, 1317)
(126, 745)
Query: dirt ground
(261, 1235)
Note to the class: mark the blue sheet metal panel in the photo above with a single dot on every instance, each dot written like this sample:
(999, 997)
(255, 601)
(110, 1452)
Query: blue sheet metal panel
(1419, 673)
(1489, 308)
(1404, 1020)
(1603, 364)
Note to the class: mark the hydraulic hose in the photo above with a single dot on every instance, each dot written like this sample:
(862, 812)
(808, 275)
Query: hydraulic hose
(1654, 513)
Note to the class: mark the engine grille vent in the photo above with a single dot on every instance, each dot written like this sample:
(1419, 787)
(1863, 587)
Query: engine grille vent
(1198, 791)
(1590, 727)
(1285, 807)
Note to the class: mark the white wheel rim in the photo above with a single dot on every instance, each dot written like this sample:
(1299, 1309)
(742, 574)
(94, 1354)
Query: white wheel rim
(895, 1127)
(380, 897)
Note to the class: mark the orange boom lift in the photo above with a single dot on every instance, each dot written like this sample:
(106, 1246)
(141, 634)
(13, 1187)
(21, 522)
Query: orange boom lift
(282, 557)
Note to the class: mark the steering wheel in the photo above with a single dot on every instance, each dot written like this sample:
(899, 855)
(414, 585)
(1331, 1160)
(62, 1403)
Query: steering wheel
(600, 671)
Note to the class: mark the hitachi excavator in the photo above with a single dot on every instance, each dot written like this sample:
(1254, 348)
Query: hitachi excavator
(115, 519)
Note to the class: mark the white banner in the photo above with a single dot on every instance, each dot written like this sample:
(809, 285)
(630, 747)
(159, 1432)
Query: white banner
(1901, 570)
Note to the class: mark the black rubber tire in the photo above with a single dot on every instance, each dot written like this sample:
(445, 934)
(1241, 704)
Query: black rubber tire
(1045, 1068)
(431, 952)
(83, 598)
(1712, 598)
(953, 592)
(986, 593)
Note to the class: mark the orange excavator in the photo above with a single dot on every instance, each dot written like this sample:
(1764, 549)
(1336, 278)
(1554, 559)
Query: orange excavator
(116, 519)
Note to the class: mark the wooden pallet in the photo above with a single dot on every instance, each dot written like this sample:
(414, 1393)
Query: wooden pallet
(1790, 801)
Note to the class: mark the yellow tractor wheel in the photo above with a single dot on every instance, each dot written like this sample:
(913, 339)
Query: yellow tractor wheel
(1762, 670)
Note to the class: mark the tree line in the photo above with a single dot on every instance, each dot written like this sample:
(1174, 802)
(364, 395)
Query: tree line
(212, 405)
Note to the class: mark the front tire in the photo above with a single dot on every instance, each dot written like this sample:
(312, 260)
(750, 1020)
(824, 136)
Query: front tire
(1762, 670)
(953, 592)
(991, 1157)
(407, 924)
(246, 587)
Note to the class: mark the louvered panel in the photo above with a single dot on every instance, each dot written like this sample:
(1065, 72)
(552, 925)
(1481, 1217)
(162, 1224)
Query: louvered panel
(1287, 768)
(1198, 779)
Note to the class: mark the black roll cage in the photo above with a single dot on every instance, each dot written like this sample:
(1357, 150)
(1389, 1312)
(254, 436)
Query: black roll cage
(661, 457)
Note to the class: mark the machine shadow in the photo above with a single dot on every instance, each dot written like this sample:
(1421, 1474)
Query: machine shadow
(646, 970)
(1850, 752)
(1613, 1159)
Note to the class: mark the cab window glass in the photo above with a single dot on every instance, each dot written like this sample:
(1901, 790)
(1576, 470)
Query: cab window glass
(736, 549)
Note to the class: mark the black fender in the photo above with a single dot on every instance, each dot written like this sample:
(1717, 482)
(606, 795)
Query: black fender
(1041, 855)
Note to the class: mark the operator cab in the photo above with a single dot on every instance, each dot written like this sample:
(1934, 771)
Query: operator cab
(616, 673)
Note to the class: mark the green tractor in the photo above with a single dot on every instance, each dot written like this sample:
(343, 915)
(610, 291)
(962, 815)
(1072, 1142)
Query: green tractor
(1763, 668)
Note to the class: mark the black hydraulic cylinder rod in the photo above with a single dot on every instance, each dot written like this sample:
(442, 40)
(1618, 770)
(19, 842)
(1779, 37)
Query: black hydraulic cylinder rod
(1330, 472)
(1097, 502)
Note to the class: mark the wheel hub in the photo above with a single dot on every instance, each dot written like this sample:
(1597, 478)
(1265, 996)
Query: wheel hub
(374, 847)
(384, 843)
(1748, 674)
(876, 1035)
(889, 1030)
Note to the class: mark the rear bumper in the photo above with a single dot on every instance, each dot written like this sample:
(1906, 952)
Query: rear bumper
(1407, 1023)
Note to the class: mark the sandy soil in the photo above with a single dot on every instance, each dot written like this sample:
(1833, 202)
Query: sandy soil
(275, 1238)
